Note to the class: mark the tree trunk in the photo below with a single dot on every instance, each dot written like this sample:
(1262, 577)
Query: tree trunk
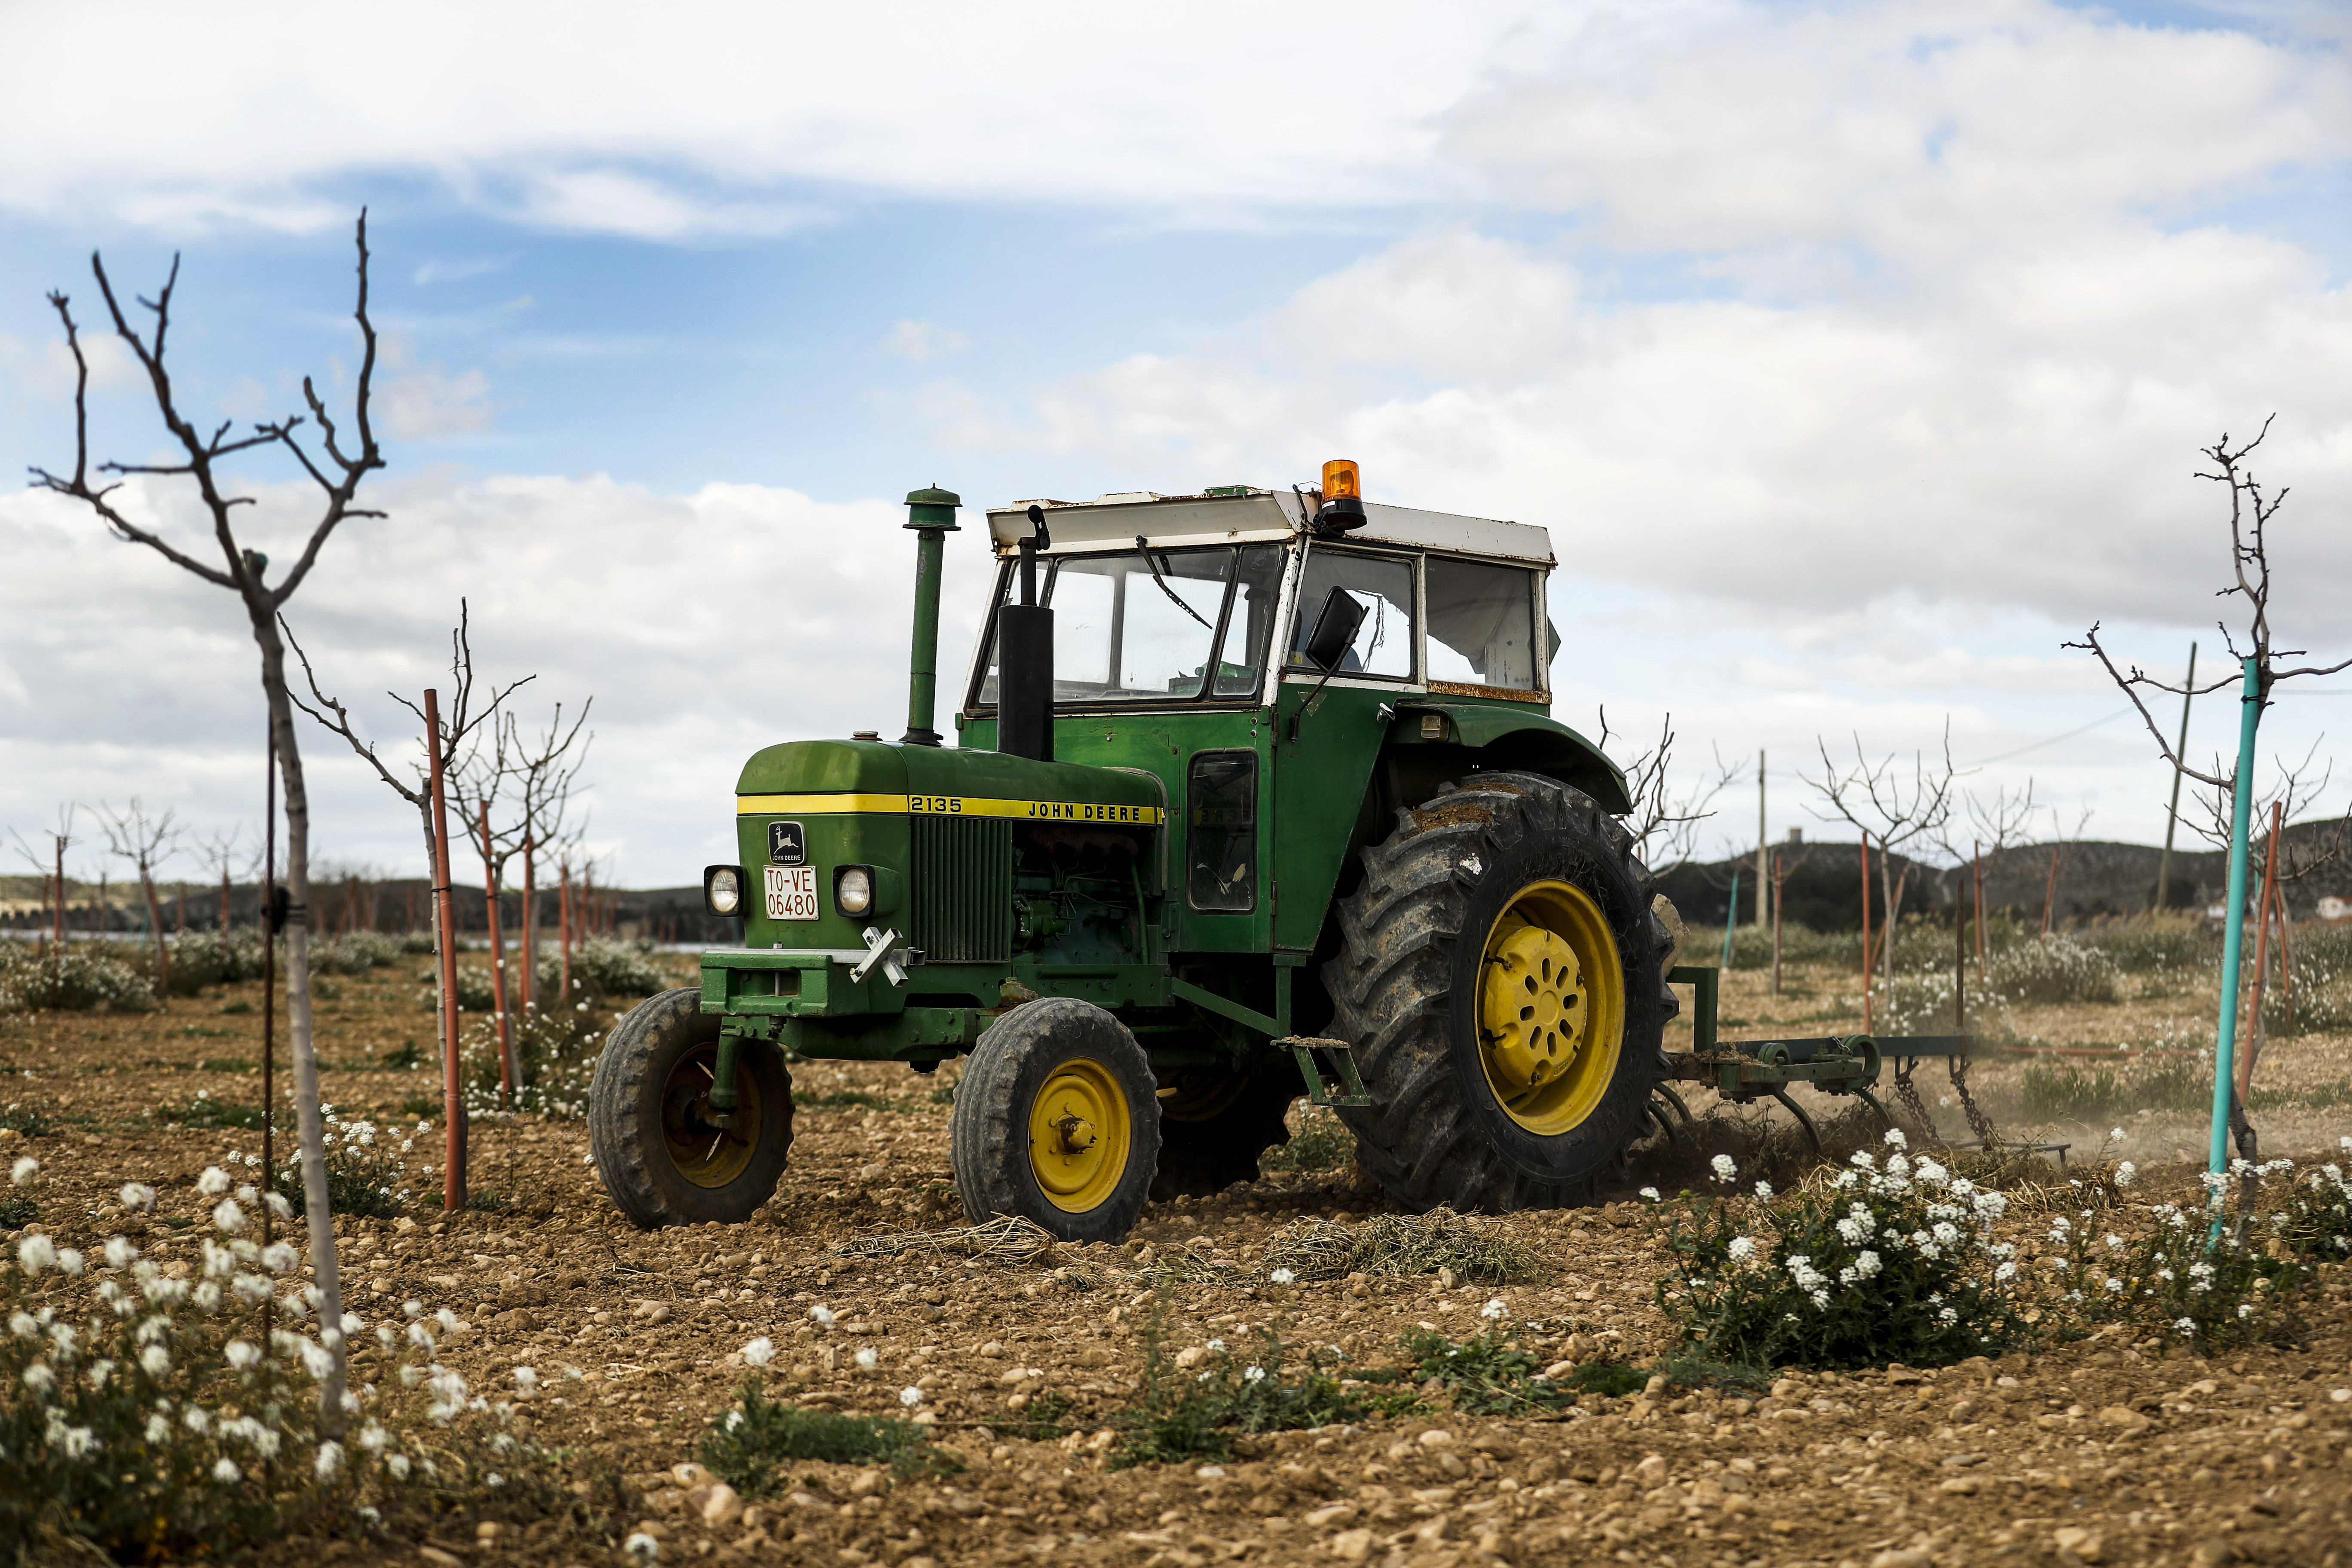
(311, 1125)
(529, 928)
(155, 925)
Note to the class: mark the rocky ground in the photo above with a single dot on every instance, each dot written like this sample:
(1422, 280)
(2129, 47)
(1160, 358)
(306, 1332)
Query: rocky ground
(2100, 1451)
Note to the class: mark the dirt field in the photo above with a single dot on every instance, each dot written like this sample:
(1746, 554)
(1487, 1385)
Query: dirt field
(2097, 1451)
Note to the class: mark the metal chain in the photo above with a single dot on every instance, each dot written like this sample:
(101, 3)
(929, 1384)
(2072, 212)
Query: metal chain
(1908, 1093)
(1978, 1122)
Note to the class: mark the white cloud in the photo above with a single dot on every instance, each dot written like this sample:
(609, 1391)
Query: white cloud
(692, 118)
(914, 340)
(705, 625)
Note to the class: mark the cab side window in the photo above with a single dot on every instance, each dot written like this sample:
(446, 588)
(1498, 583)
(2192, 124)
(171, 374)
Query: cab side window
(1382, 585)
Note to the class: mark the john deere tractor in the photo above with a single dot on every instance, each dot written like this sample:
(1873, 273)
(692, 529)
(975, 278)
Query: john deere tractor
(1256, 793)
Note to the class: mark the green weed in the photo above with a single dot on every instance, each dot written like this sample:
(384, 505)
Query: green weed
(1321, 1144)
(1398, 1245)
(1488, 1373)
(206, 1111)
(1193, 1415)
(2054, 1091)
(752, 1442)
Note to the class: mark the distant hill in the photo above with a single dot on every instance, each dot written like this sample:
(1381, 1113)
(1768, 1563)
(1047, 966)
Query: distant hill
(2095, 877)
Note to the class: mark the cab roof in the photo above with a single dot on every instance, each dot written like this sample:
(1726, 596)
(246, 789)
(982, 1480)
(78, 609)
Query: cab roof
(1232, 514)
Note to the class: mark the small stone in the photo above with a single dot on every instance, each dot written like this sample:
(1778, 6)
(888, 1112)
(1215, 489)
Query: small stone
(1348, 1546)
(722, 1507)
(1901, 1558)
(1652, 1471)
(2122, 1416)
(2084, 1545)
(2213, 1553)
(1961, 1485)
(1559, 1369)
(440, 1559)
(690, 1474)
(1436, 1437)
(489, 1530)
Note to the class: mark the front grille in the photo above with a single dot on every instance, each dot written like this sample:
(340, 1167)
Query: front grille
(961, 888)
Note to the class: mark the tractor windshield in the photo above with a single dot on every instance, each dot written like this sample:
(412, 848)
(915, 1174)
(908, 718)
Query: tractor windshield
(1156, 625)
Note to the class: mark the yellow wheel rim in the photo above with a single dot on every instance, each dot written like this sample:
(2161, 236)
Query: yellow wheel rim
(1080, 1136)
(1552, 1007)
(705, 1152)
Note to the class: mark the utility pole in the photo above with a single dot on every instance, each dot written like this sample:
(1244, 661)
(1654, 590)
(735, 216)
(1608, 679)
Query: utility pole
(1763, 910)
(2180, 759)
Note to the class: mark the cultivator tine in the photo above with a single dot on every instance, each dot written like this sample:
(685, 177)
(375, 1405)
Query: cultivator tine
(1666, 1092)
(1871, 1100)
(1658, 1114)
(1780, 1093)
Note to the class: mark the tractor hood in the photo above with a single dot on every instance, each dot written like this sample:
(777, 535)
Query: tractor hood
(873, 776)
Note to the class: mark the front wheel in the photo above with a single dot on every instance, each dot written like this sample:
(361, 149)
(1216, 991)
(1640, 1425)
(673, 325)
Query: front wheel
(668, 1155)
(1057, 1121)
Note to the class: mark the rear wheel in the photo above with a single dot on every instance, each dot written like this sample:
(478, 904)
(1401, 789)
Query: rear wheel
(1215, 1125)
(668, 1155)
(1503, 981)
(1057, 1121)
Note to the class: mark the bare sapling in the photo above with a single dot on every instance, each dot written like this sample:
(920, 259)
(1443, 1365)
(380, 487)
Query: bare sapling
(450, 736)
(146, 842)
(337, 463)
(2260, 666)
(1881, 800)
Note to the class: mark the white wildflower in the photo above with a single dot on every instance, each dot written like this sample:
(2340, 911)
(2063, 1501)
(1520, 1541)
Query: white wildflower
(868, 1360)
(642, 1547)
(908, 1396)
(398, 1465)
(1763, 1189)
(1741, 1248)
(2184, 1325)
(36, 1252)
(2124, 1173)
(1283, 1276)
(330, 1459)
(226, 1471)
(1493, 1310)
(1895, 1136)
(1725, 1167)
(525, 1378)
(823, 1315)
(242, 1356)
(228, 1217)
(39, 1378)
(759, 1352)
(1650, 1195)
(212, 1182)
(156, 1361)
(22, 1172)
(138, 1197)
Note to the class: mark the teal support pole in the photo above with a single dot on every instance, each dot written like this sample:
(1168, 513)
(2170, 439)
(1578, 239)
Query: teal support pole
(2241, 810)
(1732, 919)
(931, 514)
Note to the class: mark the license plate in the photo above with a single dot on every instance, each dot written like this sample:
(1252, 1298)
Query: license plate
(791, 892)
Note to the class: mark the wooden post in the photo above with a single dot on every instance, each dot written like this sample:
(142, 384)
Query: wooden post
(1960, 965)
(1761, 894)
(529, 929)
(1779, 896)
(2049, 894)
(1976, 864)
(497, 968)
(2254, 1031)
(1866, 977)
(444, 914)
(563, 932)
(2172, 813)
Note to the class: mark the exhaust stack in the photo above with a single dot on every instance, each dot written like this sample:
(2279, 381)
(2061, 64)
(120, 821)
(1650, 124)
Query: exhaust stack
(931, 514)
(1024, 661)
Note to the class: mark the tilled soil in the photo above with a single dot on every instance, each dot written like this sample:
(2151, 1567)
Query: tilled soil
(2103, 1450)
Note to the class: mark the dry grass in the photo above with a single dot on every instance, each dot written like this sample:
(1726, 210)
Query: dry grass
(1401, 1245)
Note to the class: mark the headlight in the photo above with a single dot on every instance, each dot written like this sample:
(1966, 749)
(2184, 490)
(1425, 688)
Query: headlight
(852, 889)
(722, 891)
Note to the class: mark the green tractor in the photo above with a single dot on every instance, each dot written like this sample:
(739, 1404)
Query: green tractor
(1258, 795)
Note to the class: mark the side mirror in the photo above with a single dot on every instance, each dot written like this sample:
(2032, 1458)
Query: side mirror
(1335, 629)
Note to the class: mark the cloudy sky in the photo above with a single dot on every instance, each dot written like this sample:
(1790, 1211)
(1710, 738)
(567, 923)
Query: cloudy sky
(1856, 355)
